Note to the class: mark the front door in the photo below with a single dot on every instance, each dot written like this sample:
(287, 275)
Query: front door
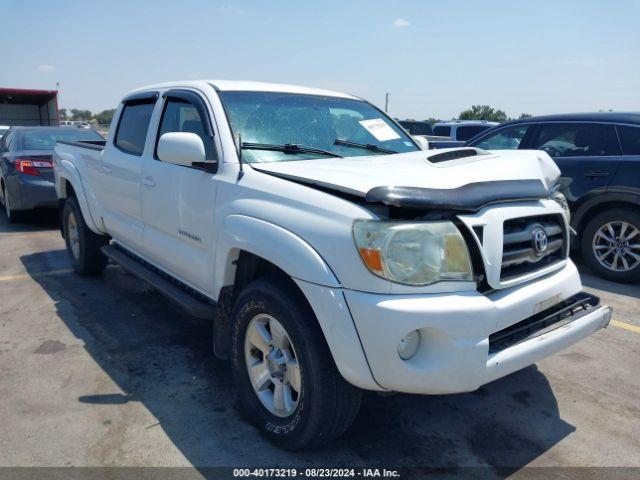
(588, 154)
(178, 201)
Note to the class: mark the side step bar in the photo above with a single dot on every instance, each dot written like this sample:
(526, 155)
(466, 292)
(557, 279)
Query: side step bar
(172, 289)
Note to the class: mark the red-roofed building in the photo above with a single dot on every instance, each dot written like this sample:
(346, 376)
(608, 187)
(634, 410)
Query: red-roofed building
(28, 107)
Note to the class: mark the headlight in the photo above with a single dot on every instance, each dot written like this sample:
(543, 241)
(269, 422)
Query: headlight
(413, 253)
(562, 201)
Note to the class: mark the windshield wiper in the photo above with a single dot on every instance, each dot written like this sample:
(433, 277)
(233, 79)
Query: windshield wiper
(366, 146)
(288, 148)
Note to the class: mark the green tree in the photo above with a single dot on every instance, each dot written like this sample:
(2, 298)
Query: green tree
(483, 112)
(84, 115)
(62, 112)
(525, 115)
(432, 120)
(105, 116)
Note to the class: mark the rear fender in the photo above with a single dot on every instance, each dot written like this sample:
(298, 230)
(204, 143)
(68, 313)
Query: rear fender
(67, 172)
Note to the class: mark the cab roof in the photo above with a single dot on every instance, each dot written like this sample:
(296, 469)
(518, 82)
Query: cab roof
(246, 86)
(616, 117)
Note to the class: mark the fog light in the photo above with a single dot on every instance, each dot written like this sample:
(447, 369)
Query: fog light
(408, 346)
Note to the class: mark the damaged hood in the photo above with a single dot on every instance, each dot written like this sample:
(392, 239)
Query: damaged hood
(448, 178)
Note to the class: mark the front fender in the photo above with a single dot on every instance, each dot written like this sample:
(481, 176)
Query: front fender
(275, 244)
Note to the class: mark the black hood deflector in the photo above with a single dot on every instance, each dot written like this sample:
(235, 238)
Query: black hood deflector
(471, 197)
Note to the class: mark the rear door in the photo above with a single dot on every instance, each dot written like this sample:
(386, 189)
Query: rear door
(178, 202)
(588, 154)
(628, 175)
(120, 171)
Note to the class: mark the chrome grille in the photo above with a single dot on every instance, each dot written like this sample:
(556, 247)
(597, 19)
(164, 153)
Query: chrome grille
(532, 243)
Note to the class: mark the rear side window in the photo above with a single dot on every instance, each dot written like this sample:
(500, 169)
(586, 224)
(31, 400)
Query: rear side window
(442, 131)
(465, 132)
(629, 139)
(577, 140)
(508, 138)
(133, 126)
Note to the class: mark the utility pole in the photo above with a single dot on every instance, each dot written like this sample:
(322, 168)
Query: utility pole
(386, 102)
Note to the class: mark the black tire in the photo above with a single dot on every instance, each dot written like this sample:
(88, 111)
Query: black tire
(327, 404)
(87, 258)
(13, 216)
(586, 243)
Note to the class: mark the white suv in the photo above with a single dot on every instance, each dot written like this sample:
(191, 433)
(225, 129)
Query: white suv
(462, 130)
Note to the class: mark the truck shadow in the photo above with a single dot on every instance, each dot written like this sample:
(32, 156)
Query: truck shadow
(161, 357)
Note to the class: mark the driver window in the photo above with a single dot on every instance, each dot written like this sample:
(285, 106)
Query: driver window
(181, 116)
(506, 139)
(577, 140)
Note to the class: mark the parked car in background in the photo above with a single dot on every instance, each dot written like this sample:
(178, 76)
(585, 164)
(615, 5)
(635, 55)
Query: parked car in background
(330, 253)
(599, 157)
(422, 132)
(456, 132)
(75, 123)
(462, 130)
(416, 127)
(26, 176)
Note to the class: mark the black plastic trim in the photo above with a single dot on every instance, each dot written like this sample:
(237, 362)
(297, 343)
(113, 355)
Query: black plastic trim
(90, 144)
(452, 155)
(545, 321)
(192, 301)
(142, 97)
(470, 198)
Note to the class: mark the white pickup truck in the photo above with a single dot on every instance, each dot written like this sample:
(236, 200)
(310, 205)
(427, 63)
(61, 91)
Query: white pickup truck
(332, 254)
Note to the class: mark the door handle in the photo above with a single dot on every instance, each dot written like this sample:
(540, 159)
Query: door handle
(148, 181)
(106, 169)
(593, 175)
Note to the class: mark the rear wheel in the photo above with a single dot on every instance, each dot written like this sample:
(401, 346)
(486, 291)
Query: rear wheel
(83, 245)
(287, 381)
(610, 245)
(14, 216)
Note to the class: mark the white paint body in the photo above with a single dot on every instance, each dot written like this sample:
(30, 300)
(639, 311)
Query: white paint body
(146, 205)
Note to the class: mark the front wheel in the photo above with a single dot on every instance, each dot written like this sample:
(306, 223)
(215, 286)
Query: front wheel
(83, 245)
(610, 245)
(286, 378)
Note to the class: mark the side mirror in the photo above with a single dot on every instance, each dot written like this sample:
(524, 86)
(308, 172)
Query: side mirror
(422, 142)
(181, 148)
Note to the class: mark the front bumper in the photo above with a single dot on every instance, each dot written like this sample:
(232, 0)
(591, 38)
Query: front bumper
(455, 328)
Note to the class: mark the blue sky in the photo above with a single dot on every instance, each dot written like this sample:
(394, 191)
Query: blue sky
(435, 58)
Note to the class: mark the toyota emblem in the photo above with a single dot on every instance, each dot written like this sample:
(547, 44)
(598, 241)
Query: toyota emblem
(539, 240)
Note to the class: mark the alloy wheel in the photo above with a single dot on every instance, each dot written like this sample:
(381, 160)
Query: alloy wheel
(74, 235)
(616, 246)
(272, 365)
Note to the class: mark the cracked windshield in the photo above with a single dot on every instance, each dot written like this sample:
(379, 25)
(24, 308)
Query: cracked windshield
(283, 126)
